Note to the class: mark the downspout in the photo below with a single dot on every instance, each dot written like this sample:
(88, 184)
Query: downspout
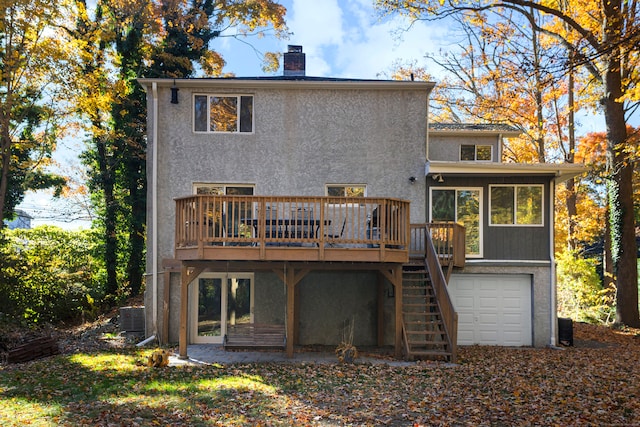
(154, 210)
(426, 166)
(552, 299)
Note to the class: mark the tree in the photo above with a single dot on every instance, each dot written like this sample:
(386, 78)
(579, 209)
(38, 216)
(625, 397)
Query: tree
(603, 38)
(31, 67)
(118, 42)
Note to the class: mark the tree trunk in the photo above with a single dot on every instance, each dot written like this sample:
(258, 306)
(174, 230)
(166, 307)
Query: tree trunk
(5, 153)
(138, 204)
(620, 189)
(106, 182)
(4, 179)
(571, 201)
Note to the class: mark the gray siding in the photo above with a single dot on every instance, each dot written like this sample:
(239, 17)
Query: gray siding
(508, 242)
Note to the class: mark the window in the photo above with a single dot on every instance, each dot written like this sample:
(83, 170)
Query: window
(516, 204)
(223, 113)
(338, 190)
(461, 205)
(228, 214)
(470, 152)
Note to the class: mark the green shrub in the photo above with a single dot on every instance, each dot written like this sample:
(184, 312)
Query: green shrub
(49, 274)
(580, 293)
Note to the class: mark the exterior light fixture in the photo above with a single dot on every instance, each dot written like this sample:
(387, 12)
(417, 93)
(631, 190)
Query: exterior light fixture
(174, 93)
(412, 179)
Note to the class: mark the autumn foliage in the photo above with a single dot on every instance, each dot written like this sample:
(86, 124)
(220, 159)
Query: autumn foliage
(593, 383)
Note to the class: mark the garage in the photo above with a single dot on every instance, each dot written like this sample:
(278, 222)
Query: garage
(492, 309)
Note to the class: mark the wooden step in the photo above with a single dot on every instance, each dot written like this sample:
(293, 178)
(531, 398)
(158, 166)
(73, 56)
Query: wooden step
(423, 324)
(425, 333)
(423, 353)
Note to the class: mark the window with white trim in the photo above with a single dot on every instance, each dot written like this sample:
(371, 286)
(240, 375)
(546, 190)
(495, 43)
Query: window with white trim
(516, 205)
(346, 190)
(214, 113)
(472, 152)
(461, 205)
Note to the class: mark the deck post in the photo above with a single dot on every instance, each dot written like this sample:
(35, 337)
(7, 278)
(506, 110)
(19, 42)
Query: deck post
(184, 304)
(380, 310)
(166, 295)
(186, 277)
(291, 310)
(397, 284)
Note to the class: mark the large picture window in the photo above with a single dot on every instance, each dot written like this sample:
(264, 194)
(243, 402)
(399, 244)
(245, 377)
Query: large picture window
(461, 205)
(516, 205)
(223, 113)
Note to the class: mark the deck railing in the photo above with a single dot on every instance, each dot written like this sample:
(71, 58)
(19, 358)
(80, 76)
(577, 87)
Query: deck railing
(271, 221)
(439, 283)
(448, 240)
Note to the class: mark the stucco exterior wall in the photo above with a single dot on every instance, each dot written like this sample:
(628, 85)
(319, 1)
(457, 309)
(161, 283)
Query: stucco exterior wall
(304, 138)
(446, 148)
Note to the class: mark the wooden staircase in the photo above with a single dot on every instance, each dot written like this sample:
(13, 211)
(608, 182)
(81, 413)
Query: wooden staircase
(425, 334)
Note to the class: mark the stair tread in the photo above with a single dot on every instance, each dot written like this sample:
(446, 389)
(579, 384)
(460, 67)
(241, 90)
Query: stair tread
(425, 334)
(430, 353)
(432, 345)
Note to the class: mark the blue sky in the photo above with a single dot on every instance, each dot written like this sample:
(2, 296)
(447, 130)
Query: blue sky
(341, 38)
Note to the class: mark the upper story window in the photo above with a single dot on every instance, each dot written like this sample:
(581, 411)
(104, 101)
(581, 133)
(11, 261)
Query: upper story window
(338, 190)
(472, 152)
(516, 204)
(223, 113)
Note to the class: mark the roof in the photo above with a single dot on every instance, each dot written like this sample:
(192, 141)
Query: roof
(288, 82)
(561, 172)
(475, 128)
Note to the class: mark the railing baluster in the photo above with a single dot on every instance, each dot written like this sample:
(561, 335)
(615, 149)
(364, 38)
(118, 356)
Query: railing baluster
(213, 220)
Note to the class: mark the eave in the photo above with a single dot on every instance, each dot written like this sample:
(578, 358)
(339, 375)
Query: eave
(560, 172)
(272, 83)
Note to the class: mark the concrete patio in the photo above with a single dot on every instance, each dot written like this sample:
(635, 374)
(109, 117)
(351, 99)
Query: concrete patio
(208, 354)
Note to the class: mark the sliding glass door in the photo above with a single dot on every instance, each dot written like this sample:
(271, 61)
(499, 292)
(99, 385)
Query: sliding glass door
(217, 301)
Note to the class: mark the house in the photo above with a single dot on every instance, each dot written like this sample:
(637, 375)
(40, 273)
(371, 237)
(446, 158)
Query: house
(505, 294)
(288, 211)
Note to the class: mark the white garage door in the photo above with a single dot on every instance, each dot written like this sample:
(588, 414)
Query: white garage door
(492, 309)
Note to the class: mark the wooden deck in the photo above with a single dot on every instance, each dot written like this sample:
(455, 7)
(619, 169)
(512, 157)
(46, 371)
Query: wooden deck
(264, 228)
(293, 236)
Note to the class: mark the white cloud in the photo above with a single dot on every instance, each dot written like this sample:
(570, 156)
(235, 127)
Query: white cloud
(372, 44)
(342, 38)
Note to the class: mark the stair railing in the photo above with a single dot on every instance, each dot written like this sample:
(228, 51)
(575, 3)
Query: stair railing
(439, 283)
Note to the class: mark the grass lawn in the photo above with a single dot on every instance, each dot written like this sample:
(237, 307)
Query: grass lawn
(597, 382)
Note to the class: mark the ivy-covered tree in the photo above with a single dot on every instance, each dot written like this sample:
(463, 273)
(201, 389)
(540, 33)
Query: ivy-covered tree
(118, 42)
(602, 38)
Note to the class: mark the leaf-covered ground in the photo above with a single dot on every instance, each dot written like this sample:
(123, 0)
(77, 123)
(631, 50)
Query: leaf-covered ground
(597, 382)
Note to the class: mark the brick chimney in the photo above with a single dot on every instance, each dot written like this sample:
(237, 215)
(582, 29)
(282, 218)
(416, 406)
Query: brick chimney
(294, 61)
